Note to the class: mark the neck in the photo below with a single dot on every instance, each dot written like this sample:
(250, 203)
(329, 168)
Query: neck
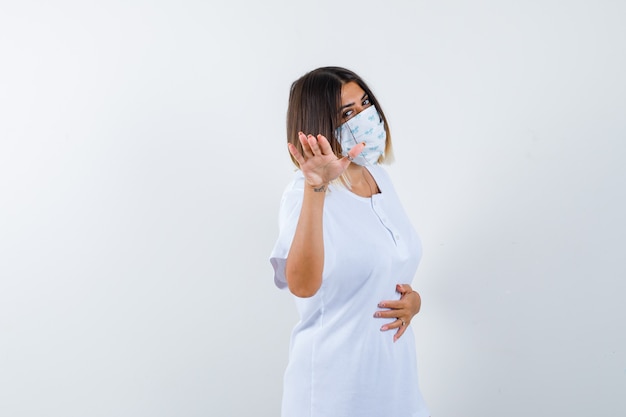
(356, 173)
(361, 181)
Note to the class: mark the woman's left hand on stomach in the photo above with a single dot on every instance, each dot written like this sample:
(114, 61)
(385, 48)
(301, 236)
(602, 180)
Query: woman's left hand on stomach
(403, 310)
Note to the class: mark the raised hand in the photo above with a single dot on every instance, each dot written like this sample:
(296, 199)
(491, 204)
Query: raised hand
(318, 163)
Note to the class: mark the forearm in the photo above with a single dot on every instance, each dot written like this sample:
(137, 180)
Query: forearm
(305, 261)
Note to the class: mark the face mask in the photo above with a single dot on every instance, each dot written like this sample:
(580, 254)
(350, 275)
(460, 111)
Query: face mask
(367, 127)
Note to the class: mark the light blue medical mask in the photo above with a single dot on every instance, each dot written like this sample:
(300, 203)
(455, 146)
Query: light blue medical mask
(368, 127)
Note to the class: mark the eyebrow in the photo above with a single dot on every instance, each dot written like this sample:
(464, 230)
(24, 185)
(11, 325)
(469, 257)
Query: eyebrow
(351, 104)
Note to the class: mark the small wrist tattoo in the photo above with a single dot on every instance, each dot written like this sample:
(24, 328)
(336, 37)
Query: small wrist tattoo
(320, 189)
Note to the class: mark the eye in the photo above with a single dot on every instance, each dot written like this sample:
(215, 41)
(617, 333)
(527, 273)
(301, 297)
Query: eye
(366, 102)
(347, 114)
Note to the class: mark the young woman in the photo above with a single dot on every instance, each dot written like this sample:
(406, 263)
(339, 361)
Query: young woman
(347, 252)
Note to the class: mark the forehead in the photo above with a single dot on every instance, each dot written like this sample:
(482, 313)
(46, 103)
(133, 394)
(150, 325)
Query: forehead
(351, 93)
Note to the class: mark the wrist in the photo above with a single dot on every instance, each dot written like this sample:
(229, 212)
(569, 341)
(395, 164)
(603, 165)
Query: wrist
(319, 188)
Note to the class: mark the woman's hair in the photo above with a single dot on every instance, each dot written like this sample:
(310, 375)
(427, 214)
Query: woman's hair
(314, 107)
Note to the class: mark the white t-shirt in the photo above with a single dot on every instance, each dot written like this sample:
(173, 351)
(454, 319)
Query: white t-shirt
(340, 363)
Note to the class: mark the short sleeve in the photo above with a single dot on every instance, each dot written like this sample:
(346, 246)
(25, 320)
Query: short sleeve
(289, 213)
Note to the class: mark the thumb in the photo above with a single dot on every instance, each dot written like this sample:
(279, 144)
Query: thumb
(356, 150)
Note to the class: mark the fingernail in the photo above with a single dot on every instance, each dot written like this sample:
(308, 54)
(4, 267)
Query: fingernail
(377, 314)
(381, 305)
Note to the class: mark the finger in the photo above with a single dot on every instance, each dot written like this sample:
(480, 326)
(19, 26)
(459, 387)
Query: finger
(403, 288)
(400, 332)
(356, 150)
(397, 324)
(390, 314)
(295, 153)
(306, 148)
(324, 145)
(393, 304)
(315, 147)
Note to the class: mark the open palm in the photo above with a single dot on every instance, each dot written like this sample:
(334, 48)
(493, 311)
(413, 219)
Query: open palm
(317, 161)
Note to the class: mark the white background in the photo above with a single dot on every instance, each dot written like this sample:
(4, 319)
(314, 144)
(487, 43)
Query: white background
(143, 156)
